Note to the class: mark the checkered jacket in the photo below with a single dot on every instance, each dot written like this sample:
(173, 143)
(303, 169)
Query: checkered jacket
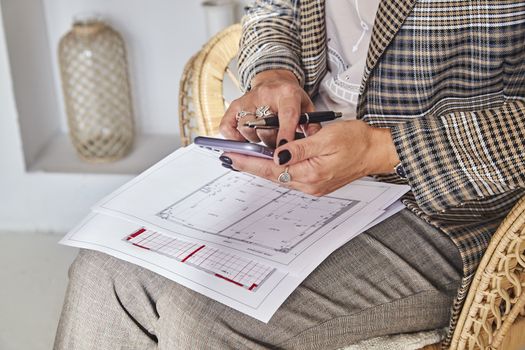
(448, 78)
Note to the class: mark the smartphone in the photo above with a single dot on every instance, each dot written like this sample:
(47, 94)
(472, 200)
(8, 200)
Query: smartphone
(250, 149)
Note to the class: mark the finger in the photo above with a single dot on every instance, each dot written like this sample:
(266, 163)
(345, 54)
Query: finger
(289, 109)
(228, 125)
(249, 134)
(268, 136)
(309, 129)
(313, 128)
(301, 173)
(261, 167)
(302, 131)
(300, 150)
(307, 104)
(305, 188)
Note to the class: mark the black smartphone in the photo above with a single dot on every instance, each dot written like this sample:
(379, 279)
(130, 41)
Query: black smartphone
(247, 148)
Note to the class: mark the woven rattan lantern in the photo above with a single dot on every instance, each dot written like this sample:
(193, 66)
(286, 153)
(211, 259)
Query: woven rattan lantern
(95, 83)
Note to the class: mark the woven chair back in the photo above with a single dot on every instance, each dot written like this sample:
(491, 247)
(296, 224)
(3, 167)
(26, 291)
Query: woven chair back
(201, 97)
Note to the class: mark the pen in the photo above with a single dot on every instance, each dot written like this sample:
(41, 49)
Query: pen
(305, 118)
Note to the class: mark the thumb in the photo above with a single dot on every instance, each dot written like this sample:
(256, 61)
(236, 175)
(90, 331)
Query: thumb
(299, 150)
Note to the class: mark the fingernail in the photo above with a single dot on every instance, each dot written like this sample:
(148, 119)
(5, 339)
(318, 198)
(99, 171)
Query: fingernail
(226, 160)
(228, 166)
(282, 142)
(284, 157)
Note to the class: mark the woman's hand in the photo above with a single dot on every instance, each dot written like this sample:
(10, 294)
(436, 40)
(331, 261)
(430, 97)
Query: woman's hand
(338, 154)
(278, 89)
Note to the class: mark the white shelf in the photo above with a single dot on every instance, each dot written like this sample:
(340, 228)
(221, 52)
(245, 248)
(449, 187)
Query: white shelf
(59, 156)
(158, 47)
(44, 185)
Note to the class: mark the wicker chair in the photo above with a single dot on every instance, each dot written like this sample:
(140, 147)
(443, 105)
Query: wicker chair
(493, 316)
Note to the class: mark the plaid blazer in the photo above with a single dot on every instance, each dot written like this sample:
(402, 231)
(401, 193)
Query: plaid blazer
(448, 78)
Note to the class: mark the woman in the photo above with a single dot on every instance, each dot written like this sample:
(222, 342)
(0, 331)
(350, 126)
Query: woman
(439, 106)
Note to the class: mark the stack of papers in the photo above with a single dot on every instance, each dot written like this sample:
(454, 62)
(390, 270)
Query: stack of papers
(241, 240)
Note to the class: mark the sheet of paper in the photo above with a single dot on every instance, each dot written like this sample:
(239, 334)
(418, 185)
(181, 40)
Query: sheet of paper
(392, 209)
(191, 195)
(241, 240)
(108, 235)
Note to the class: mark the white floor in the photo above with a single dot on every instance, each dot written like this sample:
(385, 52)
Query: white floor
(33, 279)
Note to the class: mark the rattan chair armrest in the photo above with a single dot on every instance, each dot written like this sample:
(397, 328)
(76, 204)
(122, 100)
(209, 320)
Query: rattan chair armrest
(496, 297)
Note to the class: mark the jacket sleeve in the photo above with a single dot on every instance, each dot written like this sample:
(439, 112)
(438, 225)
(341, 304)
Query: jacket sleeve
(270, 39)
(464, 157)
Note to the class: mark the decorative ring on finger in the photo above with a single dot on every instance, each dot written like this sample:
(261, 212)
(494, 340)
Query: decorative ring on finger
(242, 114)
(284, 177)
(263, 112)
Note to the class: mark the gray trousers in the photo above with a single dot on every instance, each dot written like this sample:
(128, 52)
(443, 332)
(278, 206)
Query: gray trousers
(400, 276)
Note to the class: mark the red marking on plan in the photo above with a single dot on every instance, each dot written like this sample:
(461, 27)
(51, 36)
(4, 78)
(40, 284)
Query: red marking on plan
(229, 280)
(192, 253)
(252, 286)
(142, 230)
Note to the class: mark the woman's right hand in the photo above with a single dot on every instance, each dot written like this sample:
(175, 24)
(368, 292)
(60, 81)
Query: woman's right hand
(280, 90)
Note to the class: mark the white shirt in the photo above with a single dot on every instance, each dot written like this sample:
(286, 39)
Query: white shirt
(349, 29)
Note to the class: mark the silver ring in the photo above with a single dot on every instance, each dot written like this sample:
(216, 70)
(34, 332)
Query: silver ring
(284, 177)
(263, 112)
(242, 114)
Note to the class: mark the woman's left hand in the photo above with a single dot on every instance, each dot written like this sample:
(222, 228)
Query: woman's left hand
(338, 154)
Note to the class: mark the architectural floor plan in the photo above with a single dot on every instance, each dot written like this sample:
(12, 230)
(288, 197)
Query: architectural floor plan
(244, 208)
(241, 240)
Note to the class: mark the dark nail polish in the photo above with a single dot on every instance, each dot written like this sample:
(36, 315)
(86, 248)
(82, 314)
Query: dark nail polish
(282, 142)
(284, 157)
(226, 160)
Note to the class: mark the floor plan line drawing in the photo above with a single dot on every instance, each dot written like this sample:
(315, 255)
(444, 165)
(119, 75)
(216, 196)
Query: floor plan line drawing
(234, 269)
(201, 216)
(257, 213)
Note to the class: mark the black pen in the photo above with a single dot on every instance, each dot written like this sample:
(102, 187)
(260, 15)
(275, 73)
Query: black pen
(305, 118)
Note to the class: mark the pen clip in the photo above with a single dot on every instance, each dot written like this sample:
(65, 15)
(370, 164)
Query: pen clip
(264, 127)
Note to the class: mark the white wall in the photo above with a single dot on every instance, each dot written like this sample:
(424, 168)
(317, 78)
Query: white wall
(40, 202)
(161, 35)
(36, 99)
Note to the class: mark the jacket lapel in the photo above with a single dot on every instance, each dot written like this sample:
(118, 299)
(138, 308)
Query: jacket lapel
(389, 18)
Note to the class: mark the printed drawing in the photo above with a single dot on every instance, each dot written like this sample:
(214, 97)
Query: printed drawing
(238, 270)
(256, 212)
